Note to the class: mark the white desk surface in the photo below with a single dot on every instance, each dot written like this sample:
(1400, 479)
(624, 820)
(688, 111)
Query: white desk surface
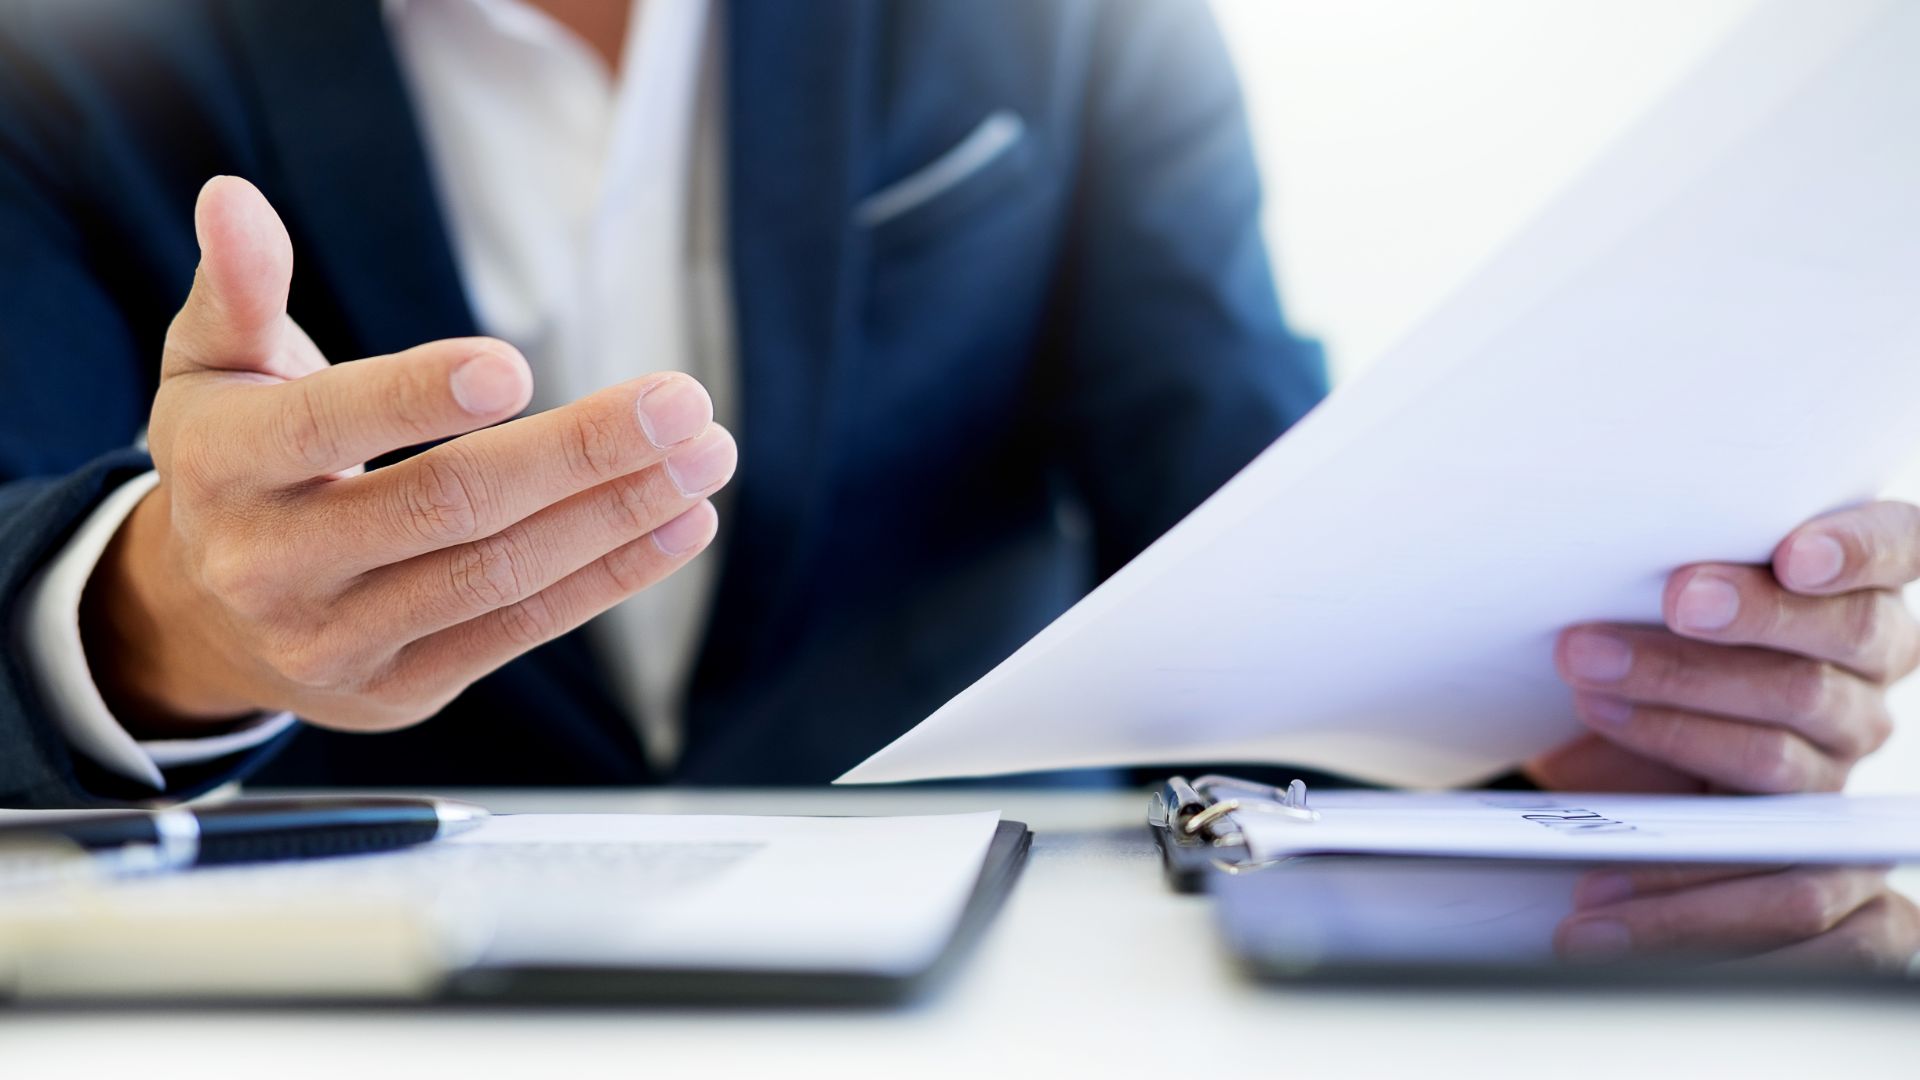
(1094, 969)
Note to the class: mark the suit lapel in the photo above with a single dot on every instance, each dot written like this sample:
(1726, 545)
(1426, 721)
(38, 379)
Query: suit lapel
(798, 84)
(349, 170)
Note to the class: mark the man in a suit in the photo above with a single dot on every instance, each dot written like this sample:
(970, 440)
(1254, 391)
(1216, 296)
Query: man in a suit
(978, 283)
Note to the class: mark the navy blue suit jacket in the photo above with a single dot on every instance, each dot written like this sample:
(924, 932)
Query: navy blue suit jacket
(952, 423)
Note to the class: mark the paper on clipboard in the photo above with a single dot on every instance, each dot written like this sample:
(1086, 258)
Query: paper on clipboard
(1775, 829)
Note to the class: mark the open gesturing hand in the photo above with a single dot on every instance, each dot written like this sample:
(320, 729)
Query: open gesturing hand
(268, 570)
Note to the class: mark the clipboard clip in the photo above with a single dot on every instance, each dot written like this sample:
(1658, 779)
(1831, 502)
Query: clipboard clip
(1199, 808)
(1193, 823)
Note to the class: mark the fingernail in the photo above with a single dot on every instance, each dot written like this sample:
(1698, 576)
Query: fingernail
(684, 533)
(673, 411)
(1602, 888)
(1595, 939)
(486, 384)
(1608, 712)
(1597, 657)
(1814, 560)
(703, 464)
(1706, 603)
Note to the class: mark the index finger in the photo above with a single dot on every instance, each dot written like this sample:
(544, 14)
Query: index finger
(278, 434)
(1876, 546)
(479, 484)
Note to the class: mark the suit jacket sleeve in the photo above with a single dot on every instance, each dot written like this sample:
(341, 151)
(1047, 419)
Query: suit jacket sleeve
(77, 381)
(1177, 367)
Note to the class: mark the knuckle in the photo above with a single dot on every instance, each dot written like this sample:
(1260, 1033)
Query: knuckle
(529, 622)
(313, 662)
(1662, 732)
(1897, 645)
(245, 583)
(632, 506)
(486, 573)
(1768, 763)
(629, 568)
(1809, 691)
(1806, 905)
(412, 407)
(1863, 638)
(595, 443)
(1656, 670)
(443, 508)
(1857, 723)
(304, 427)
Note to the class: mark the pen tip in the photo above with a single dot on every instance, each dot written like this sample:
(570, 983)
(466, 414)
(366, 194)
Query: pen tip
(458, 817)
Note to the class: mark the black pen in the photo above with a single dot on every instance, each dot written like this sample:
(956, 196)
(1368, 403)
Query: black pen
(250, 830)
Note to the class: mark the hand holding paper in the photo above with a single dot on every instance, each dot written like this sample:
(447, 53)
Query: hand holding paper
(1765, 679)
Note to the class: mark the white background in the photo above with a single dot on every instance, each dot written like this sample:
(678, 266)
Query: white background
(1404, 141)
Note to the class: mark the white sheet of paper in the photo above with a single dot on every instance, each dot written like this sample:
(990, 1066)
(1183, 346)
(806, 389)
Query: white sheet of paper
(880, 895)
(1768, 830)
(1711, 337)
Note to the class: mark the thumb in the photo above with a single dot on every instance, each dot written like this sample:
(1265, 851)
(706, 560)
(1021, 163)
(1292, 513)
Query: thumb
(235, 317)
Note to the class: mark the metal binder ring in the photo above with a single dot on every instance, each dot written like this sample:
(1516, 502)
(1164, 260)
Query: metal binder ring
(1194, 807)
(1210, 815)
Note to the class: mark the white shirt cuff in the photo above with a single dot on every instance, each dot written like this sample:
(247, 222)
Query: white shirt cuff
(50, 616)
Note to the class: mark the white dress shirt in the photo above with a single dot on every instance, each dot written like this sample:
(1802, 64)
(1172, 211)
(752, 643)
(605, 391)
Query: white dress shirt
(585, 217)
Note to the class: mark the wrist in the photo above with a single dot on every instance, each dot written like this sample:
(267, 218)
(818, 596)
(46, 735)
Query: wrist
(154, 667)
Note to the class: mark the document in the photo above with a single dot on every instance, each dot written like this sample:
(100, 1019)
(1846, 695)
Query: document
(873, 896)
(1710, 337)
(880, 895)
(1770, 830)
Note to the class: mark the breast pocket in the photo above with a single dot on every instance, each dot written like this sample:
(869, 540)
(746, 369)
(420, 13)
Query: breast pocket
(981, 169)
(963, 254)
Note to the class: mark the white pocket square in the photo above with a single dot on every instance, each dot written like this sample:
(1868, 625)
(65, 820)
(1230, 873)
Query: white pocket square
(1000, 132)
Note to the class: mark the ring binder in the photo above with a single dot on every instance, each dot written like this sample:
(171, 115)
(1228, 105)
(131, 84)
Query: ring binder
(1193, 825)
